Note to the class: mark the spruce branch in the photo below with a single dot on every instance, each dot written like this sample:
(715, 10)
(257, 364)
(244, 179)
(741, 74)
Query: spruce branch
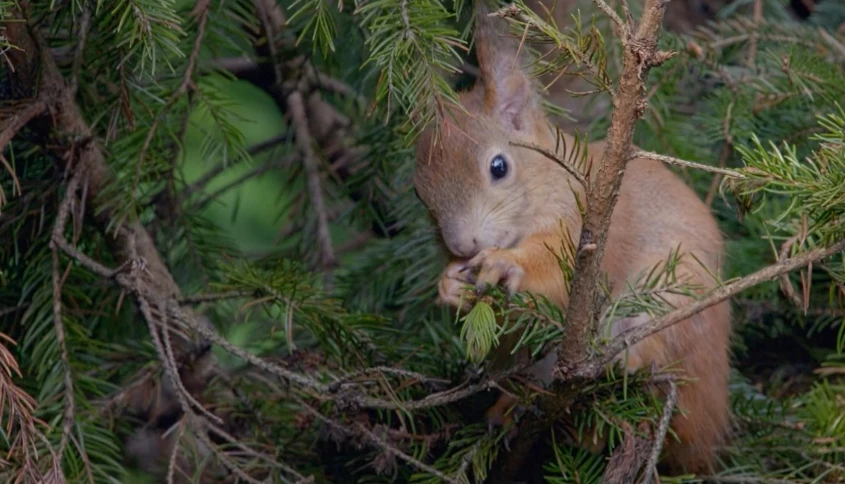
(369, 436)
(640, 54)
(187, 81)
(638, 333)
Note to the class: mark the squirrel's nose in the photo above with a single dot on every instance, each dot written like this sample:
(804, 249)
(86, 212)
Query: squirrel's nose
(466, 247)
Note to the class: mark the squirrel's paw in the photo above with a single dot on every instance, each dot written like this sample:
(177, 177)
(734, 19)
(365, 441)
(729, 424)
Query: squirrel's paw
(454, 285)
(497, 266)
(501, 414)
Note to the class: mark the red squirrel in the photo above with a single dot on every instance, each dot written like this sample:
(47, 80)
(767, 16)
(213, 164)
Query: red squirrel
(499, 209)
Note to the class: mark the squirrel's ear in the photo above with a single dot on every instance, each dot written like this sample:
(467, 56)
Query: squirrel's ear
(508, 93)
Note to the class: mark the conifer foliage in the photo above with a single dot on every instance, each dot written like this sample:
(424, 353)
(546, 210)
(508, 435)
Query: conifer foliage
(214, 267)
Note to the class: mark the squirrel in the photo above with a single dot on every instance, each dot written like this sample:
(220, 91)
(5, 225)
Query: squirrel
(499, 210)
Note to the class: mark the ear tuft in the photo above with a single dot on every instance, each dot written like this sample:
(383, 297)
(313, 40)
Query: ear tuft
(514, 98)
(508, 93)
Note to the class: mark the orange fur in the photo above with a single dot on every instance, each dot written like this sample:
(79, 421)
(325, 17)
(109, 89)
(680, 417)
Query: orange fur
(503, 227)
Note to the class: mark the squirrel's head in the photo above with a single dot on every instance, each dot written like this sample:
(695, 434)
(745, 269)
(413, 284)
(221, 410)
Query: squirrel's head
(482, 190)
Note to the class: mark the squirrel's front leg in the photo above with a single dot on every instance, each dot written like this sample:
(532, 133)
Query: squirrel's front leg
(532, 266)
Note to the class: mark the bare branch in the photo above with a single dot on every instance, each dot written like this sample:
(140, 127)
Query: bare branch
(58, 229)
(623, 30)
(315, 192)
(670, 160)
(84, 25)
(669, 407)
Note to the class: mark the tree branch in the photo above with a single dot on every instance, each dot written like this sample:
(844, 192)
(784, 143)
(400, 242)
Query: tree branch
(58, 230)
(640, 54)
(636, 334)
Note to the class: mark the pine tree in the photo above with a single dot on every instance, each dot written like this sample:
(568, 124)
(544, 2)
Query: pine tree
(215, 267)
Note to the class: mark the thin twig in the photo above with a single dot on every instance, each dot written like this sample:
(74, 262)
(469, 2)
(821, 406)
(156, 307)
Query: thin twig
(258, 455)
(219, 296)
(785, 283)
(382, 370)
(58, 229)
(303, 141)
(171, 465)
(84, 24)
(13, 309)
(563, 163)
(202, 181)
(255, 172)
(669, 160)
(187, 81)
(211, 335)
(623, 30)
(651, 466)
(376, 440)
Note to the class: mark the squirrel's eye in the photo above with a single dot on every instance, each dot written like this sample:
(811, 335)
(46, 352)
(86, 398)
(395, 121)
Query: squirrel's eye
(498, 168)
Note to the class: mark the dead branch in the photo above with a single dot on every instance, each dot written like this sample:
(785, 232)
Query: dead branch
(640, 54)
(84, 24)
(20, 416)
(670, 160)
(58, 231)
(315, 191)
(668, 408)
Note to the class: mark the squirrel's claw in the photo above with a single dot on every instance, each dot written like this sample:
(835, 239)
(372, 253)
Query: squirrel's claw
(497, 266)
(453, 285)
